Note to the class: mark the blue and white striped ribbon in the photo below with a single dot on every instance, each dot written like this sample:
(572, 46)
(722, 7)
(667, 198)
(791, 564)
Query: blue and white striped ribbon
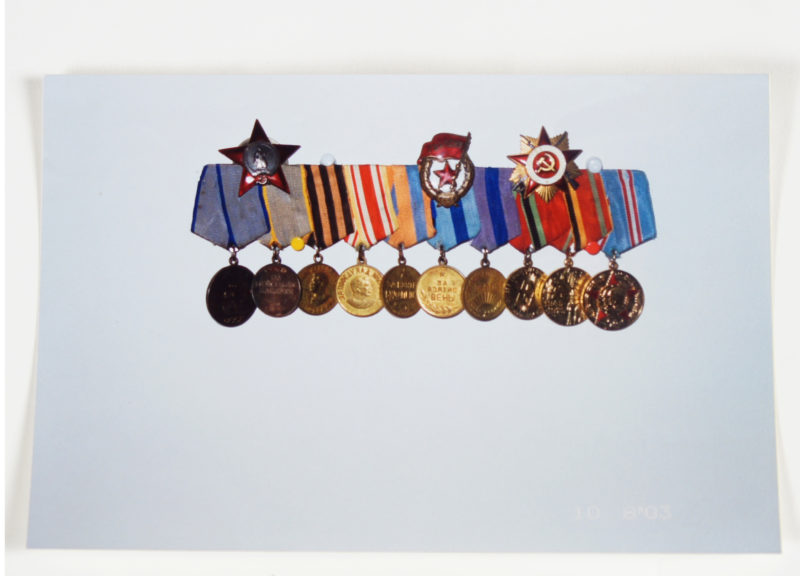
(223, 217)
(457, 224)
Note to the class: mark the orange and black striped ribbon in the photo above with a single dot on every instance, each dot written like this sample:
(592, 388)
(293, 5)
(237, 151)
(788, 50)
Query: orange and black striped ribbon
(328, 203)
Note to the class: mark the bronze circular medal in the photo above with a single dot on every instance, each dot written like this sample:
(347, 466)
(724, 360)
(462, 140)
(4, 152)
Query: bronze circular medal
(399, 291)
(318, 294)
(562, 296)
(439, 291)
(276, 290)
(523, 294)
(228, 297)
(483, 293)
(358, 290)
(613, 300)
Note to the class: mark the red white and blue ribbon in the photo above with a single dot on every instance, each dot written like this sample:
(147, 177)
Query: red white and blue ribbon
(369, 191)
(631, 210)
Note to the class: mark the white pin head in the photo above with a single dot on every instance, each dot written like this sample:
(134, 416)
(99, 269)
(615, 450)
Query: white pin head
(594, 164)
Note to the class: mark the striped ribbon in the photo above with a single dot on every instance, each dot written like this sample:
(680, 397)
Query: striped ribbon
(589, 211)
(370, 194)
(223, 217)
(414, 216)
(456, 224)
(496, 208)
(328, 203)
(289, 216)
(631, 209)
(523, 240)
(366, 203)
(544, 223)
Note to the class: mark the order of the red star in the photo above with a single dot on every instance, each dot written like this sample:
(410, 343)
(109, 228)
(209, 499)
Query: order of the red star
(249, 180)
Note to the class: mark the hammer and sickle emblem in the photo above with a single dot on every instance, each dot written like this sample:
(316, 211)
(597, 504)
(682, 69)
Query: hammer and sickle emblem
(546, 162)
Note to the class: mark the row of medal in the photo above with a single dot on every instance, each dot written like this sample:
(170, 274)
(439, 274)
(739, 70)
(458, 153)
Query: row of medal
(545, 200)
(612, 299)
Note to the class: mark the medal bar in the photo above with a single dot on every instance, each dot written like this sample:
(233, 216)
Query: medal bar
(542, 199)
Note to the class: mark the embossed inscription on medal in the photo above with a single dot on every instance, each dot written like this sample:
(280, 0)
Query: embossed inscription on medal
(439, 291)
(358, 290)
(276, 290)
(442, 291)
(399, 290)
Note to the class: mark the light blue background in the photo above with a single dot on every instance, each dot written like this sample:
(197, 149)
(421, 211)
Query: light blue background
(155, 428)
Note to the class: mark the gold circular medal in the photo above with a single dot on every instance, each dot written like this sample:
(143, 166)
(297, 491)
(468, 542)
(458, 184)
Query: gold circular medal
(318, 295)
(523, 294)
(358, 290)
(562, 296)
(613, 300)
(439, 291)
(483, 293)
(399, 291)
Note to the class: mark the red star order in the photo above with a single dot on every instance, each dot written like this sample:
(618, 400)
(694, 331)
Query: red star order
(249, 180)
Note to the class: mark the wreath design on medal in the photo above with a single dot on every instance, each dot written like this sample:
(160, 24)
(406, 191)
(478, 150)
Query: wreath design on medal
(445, 159)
